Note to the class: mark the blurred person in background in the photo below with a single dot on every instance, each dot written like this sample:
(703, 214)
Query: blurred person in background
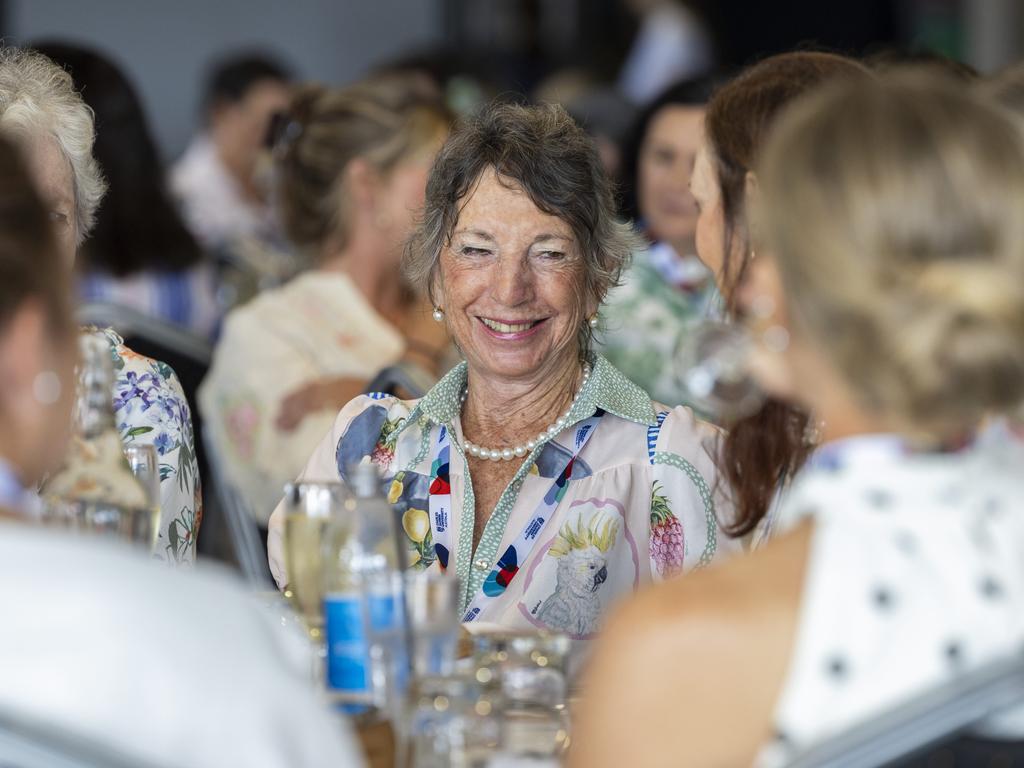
(604, 113)
(139, 253)
(671, 44)
(352, 165)
(1006, 87)
(107, 658)
(667, 288)
(549, 483)
(222, 181)
(892, 250)
(761, 452)
(41, 111)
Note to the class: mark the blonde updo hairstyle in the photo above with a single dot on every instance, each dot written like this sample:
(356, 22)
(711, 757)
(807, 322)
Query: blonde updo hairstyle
(383, 120)
(894, 210)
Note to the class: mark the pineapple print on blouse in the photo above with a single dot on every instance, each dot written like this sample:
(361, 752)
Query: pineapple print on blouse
(625, 494)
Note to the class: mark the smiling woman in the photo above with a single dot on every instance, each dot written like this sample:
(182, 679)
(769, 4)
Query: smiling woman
(550, 483)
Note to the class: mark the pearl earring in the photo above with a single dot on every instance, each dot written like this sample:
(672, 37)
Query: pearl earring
(438, 314)
(593, 320)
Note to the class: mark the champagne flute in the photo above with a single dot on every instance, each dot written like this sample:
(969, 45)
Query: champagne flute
(144, 463)
(309, 507)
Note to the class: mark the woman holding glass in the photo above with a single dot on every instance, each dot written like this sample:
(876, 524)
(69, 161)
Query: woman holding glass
(892, 251)
(535, 471)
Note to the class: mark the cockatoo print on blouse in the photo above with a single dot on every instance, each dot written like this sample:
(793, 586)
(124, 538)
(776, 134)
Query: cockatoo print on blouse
(575, 607)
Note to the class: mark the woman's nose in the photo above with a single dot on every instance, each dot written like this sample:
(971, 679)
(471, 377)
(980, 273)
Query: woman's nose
(513, 282)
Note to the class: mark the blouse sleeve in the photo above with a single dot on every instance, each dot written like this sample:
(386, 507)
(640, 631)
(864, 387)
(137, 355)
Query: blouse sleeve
(687, 498)
(150, 407)
(366, 415)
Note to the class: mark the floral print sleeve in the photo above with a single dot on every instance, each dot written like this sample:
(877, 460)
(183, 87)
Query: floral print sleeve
(150, 408)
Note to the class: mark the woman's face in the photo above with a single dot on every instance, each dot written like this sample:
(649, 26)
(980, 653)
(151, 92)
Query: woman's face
(400, 196)
(710, 235)
(663, 180)
(510, 284)
(51, 173)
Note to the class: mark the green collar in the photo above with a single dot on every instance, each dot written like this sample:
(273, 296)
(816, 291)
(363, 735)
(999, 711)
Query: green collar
(607, 389)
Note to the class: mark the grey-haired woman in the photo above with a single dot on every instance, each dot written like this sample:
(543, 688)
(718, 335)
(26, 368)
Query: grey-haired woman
(535, 471)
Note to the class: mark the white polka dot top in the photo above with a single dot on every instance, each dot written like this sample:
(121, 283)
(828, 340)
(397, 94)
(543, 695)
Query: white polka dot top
(915, 574)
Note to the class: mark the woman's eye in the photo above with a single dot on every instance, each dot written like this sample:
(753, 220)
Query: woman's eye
(58, 217)
(469, 250)
(552, 255)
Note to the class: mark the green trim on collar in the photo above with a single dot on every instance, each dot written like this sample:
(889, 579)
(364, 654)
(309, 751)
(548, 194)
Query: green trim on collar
(607, 389)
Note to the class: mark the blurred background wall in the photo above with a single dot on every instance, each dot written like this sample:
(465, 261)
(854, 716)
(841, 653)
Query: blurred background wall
(166, 45)
(512, 44)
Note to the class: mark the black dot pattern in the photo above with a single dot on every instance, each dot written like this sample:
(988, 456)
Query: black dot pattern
(906, 542)
(991, 588)
(954, 653)
(878, 499)
(837, 668)
(882, 598)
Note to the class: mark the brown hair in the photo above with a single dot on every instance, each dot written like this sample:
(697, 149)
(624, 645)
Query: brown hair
(383, 120)
(762, 451)
(30, 264)
(545, 152)
(894, 213)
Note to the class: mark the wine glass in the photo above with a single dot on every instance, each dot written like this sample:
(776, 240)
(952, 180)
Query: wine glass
(309, 507)
(144, 463)
(718, 361)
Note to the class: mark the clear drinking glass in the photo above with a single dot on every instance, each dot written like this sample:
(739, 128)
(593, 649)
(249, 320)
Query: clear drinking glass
(713, 365)
(309, 507)
(529, 670)
(453, 723)
(145, 465)
(432, 609)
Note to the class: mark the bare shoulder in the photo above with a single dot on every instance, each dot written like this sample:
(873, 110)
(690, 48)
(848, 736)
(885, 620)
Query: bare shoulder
(689, 670)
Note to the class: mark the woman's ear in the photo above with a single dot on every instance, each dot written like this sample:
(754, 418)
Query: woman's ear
(362, 182)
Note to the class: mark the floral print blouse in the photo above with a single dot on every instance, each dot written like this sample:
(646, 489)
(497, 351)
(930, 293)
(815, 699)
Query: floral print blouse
(638, 502)
(150, 408)
(644, 320)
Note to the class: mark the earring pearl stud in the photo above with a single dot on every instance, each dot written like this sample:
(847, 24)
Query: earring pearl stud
(438, 314)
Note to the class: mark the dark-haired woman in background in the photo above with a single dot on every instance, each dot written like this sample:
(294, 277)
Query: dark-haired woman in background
(762, 452)
(666, 288)
(139, 255)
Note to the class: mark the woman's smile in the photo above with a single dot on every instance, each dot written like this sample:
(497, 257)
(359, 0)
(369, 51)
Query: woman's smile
(511, 330)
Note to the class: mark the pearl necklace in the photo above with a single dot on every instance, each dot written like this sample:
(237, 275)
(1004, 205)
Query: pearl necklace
(519, 451)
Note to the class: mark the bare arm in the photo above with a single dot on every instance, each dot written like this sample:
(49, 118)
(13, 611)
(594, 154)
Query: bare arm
(689, 671)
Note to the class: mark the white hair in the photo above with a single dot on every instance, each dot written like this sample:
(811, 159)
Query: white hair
(38, 95)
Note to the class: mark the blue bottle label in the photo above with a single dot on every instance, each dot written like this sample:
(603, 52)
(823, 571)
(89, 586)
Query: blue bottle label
(348, 649)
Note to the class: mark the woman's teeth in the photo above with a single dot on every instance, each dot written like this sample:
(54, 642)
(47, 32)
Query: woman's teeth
(494, 325)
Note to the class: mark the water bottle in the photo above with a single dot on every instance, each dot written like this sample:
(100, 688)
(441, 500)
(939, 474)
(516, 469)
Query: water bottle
(367, 660)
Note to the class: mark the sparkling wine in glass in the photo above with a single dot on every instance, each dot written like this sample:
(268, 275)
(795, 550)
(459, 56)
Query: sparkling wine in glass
(309, 507)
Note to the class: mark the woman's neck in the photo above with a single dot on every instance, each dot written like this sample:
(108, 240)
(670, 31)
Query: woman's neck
(367, 270)
(500, 413)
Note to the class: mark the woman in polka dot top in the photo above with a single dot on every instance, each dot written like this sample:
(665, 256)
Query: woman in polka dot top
(891, 251)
